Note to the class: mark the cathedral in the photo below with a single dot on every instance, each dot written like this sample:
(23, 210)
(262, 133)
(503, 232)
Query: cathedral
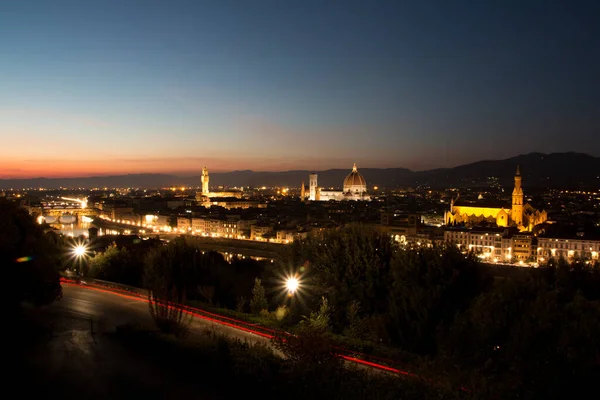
(523, 216)
(354, 188)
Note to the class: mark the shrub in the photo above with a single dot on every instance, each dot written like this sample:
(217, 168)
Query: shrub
(259, 299)
(168, 269)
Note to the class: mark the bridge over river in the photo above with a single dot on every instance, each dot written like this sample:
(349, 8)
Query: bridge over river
(65, 211)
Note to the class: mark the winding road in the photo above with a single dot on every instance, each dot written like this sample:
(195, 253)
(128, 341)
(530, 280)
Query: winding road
(82, 359)
(79, 358)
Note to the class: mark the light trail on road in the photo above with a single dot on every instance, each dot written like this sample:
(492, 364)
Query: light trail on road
(264, 332)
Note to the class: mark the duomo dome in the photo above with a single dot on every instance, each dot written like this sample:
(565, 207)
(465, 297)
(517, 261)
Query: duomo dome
(354, 182)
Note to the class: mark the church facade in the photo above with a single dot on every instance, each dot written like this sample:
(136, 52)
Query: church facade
(518, 214)
(354, 188)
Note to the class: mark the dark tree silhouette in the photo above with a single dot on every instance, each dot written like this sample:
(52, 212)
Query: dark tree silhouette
(117, 265)
(28, 257)
(167, 278)
(430, 286)
(348, 265)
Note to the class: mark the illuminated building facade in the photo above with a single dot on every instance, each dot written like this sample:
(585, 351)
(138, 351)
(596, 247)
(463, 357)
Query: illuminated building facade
(204, 179)
(312, 187)
(521, 215)
(522, 248)
(587, 249)
(493, 244)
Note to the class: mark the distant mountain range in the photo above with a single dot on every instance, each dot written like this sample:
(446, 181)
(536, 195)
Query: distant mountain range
(556, 170)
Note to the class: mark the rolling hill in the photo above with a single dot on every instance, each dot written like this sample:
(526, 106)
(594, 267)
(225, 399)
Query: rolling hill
(556, 170)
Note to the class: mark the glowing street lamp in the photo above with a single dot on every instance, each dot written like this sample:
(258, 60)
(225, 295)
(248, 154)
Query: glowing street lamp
(292, 284)
(79, 250)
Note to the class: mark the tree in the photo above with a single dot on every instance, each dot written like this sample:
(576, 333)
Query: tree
(117, 265)
(167, 278)
(29, 258)
(320, 320)
(259, 299)
(346, 265)
(527, 340)
(357, 325)
(430, 286)
(311, 350)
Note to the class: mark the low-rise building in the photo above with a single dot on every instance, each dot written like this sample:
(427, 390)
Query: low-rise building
(162, 221)
(285, 235)
(492, 244)
(199, 225)
(260, 231)
(229, 229)
(398, 224)
(568, 248)
(522, 248)
(184, 224)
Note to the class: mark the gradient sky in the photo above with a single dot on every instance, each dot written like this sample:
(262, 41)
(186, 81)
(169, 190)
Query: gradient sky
(105, 87)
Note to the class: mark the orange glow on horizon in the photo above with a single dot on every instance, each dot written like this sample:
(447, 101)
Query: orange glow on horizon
(12, 168)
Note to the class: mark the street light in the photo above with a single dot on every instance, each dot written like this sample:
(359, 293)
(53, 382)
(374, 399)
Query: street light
(79, 250)
(292, 284)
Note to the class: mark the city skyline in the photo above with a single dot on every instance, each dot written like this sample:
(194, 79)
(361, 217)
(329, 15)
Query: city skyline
(169, 88)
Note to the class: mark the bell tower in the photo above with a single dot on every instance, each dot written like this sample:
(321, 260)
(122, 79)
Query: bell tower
(312, 187)
(516, 213)
(204, 180)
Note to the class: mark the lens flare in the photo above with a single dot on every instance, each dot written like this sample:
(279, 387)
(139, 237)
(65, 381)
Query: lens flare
(79, 250)
(292, 284)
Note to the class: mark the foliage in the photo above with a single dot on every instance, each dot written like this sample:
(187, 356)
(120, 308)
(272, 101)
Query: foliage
(211, 279)
(531, 334)
(167, 273)
(309, 349)
(281, 312)
(346, 265)
(430, 286)
(29, 258)
(208, 292)
(251, 368)
(357, 325)
(117, 265)
(527, 337)
(169, 316)
(319, 321)
(569, 278)
(241, 304)
(392, 295)
(259, 299)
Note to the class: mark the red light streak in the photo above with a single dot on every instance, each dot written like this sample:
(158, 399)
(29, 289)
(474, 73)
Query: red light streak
(195, 314)
(375, 365)
(238, 324)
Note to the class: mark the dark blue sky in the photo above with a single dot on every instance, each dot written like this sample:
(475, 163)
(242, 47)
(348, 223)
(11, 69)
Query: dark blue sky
(91, 87)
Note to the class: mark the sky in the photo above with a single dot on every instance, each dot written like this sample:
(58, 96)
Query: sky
(116, 87)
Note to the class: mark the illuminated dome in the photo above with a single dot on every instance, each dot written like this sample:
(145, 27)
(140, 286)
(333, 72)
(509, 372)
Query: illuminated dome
(354, 182)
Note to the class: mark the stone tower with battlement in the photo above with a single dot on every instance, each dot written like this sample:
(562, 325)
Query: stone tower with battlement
(204, 180)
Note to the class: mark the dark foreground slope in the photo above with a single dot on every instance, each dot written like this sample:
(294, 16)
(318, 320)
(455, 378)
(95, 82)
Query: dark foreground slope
(77, 349)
